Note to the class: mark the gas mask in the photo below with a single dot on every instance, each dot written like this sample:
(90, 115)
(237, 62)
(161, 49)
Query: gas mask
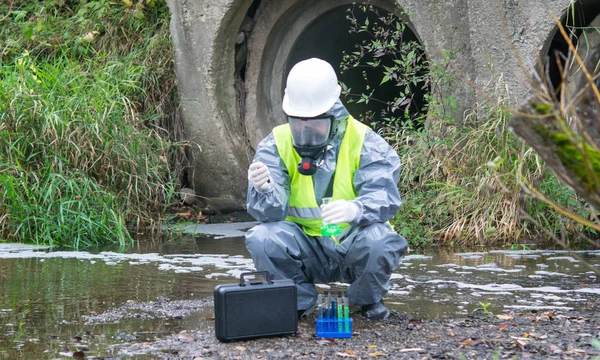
(310, 136)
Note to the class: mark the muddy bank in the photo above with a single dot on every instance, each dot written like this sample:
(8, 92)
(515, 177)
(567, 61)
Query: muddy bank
(480, 335)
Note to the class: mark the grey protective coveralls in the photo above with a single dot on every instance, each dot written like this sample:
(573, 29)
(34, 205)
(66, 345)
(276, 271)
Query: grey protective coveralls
(369, 250)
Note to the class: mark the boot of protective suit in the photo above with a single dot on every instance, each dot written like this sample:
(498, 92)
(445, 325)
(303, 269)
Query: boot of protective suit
(377, 311)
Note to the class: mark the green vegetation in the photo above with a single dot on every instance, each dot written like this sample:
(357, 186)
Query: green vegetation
(462, 178)
(463, 188)
(484, 307)
(86, 97)
(389, 61)
(575, 155)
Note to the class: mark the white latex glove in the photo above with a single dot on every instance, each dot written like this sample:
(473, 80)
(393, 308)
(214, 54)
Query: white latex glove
(339, 211)
(259, 177)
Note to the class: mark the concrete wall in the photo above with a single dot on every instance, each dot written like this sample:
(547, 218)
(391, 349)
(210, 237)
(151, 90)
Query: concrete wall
(492, 43)
(204, 37)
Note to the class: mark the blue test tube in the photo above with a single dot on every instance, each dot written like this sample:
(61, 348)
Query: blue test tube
(326, 305)
(333, 311)
(340, 311)
(329, 312)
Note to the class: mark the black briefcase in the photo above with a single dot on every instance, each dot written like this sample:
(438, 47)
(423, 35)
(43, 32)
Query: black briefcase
(255, 308)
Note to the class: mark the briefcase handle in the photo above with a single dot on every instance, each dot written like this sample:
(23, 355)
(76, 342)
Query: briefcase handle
(255, 273)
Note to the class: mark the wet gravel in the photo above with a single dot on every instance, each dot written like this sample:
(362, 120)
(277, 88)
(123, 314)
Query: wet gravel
(480, 335)
(161, 308)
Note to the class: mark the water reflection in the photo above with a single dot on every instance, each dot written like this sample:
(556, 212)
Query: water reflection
(454, 284)
(45, 296)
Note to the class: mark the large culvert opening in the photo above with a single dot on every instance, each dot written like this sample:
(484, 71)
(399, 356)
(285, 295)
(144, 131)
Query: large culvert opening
(332, 36)
(288, 31)
(579, 16)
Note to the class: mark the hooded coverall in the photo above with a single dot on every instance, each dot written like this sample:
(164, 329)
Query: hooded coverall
(368, 251)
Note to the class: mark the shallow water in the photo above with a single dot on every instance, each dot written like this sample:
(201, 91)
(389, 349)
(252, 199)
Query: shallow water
(48, 297)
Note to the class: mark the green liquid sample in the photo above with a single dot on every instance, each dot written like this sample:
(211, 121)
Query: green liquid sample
(330, 229)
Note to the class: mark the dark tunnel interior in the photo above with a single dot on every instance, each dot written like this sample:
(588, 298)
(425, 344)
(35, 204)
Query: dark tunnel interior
(328, 37)
(578, 16)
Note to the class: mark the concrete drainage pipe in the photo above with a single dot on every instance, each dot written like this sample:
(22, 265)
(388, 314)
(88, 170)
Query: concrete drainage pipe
(232, 60)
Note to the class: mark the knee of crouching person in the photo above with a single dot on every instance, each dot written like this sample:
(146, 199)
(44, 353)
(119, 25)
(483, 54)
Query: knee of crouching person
(381, 236)
(255, 236)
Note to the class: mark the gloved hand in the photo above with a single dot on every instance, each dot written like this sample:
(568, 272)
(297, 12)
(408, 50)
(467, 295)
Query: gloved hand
(339, 211)
(259, 177)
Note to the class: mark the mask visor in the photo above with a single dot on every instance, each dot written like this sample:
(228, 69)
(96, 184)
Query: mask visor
(310, 132)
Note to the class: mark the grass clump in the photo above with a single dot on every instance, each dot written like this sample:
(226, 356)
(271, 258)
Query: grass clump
(463, 188)
(86, 89)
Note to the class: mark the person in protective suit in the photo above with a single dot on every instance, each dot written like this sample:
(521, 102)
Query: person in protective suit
(321, 152)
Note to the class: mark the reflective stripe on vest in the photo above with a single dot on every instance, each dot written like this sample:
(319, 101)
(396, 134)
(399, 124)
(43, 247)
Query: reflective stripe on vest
(303, 208)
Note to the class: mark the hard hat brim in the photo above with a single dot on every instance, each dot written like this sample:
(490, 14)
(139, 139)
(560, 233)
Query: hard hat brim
(290, 110)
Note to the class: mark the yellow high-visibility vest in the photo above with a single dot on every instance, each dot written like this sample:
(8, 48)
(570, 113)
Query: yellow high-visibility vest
(303, 209)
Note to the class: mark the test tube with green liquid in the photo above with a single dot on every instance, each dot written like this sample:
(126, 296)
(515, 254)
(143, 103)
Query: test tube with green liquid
(346, 312)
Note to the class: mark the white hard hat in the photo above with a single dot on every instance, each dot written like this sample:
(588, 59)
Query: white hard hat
(312, 88)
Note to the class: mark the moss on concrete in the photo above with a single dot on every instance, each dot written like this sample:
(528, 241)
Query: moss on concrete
(572, 157)
(542, 108)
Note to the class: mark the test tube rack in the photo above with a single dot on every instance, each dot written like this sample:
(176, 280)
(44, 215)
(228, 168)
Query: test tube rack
(334, 328)
(333, 316)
